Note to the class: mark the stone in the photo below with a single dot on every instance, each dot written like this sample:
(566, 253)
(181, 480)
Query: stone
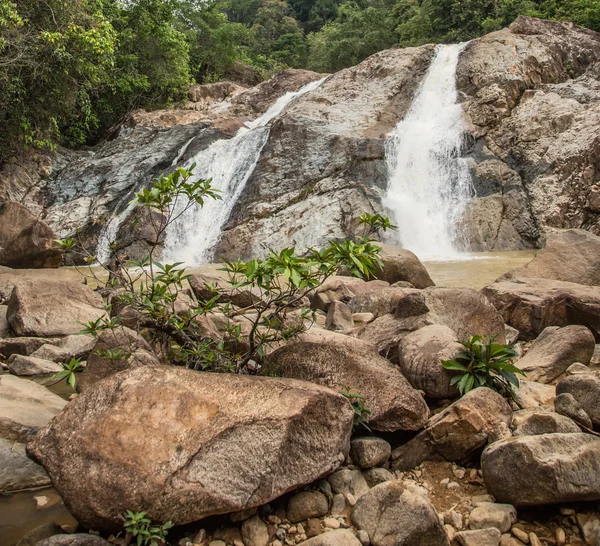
(420, 356)
(135, 351)
(566, 404)
(338, 504)
(25, 346)
(363, 536)
(590, 528)
(453, 518)
(339, 537)
(585, 388)
(534, 540)
(17, 472)
(369, 451)
(544, 469)
(555, 350)
(206, 287)
(511, 334)
(80, 539)
(343, 289)
(251, 439)
(458, 432)
(334, 360)
(392, 513)
(375, 476)
(520, 534)
(530, 394)
(5, 330)
(40, 533)
(30, 366)
(533, 421)
(488, 514)
(25, 240)
(331, 523)
(306, 505)
(339, 317)
(577, 368)
(348, 482)
(479, 537)
(400, 264)
(255, 532)
(51, 308)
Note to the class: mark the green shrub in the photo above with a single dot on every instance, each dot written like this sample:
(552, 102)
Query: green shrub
(140, 528)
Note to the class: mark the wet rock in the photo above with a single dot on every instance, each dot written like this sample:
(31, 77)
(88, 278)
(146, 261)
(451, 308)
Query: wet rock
(129, 350)
(296, 431)
(369, 452)
(339, 317)
(555, 350)
(339, 537)
(567, 405)
(456, 433)
(489, 514)
(52, 308)
(545, 469)
(392, 513)
(31, 367)
(529, 422)
(585, 388)
(25, 240)
(420, 356)
(400, 264)
(479, 537)
(335, 361)
(306, 505)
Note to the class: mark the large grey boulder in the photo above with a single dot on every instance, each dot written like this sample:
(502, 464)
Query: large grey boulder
(211, 444)
(545, 469)
(338, 361)
(555, 350)
(394, 514)
(457, 433)
(52, 308)
(25, 407)
(25, 240)
(585, 388)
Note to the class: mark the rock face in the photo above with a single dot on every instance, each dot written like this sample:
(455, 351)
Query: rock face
(26, 241)
(338, 362)
(545, 469)
(394, 514)
(456, 433)
(555, 350)
(232, 443)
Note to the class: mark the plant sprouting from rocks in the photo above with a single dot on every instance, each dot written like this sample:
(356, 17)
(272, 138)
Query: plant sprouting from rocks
(361, 411)
(71, 368)
(484, 363)
(374, 224)
(139, 527)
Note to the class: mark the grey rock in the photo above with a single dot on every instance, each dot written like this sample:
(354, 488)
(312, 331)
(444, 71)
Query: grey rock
(348, 482)
(255, 532)
(577, 368)
(531, 394)
(369, 451)
(375, 476)
(479, 537)
(31, 366)
(79, 539)
(17, 471)
(529, 422)
(40, 533)
(567, 405)
(488, 514)
(338, 537)
(339, 317)
(305, 505)
(585, 388)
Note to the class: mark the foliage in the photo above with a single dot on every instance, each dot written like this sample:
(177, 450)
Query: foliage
(139, 527)
(74, 366)
(374, 224)
(484, 363)
(361, 411)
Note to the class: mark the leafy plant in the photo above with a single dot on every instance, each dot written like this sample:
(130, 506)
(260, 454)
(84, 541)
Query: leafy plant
(138, 526)
(484, 363)
(374, 224)
(361, 411)
(71, 368)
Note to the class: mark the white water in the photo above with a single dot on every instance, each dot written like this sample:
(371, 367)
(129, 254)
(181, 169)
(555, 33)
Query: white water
(429, 184)
(229, 163)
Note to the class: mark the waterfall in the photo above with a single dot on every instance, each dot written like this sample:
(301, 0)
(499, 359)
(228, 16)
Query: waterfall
(229, 163)
(429, 183)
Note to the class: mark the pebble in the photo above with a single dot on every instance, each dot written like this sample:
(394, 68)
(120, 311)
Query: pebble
(274, 520)
(520, 534)
(445, 481)
(561, 537)
(534, 540)
(331, 523)
(338, 504)
(217, 543)
(453, 485)
(566, 511)
(350, 499)
(459, 473)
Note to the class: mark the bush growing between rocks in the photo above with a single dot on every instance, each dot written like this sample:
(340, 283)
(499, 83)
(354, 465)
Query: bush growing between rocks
(484, 363)
(176, 325)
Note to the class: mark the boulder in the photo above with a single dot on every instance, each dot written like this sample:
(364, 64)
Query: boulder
(529, 422)
(66, 348)
(305, 505)
(131, 348)
(337, 537)
(25, 407)
(52, 308)
(394, 514)
(555, 350)
(31, 366)
(457, 433)
(532, 304)
(420, 356)
(402, 265)
(338, 361)
(212, 444)
(369, 451)
(544, 469)
(585, 388)
(572, 256)
(565, 404)
(26, 241)
(379, 302)
(339, 317)
(530, 394)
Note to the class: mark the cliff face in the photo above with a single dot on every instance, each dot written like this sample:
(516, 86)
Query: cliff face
(531, 100)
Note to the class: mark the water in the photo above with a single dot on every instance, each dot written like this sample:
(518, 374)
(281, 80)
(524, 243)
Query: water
(229, 163)
(429, 183)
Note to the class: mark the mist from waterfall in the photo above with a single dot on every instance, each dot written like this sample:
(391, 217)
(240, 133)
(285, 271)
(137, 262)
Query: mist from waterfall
(229, 163)
(429, 183)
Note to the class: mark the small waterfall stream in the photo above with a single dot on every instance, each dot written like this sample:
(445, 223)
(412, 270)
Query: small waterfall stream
(429, 183)
(230, 163)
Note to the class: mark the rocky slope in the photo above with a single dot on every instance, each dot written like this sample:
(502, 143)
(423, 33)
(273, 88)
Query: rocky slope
(531, 100)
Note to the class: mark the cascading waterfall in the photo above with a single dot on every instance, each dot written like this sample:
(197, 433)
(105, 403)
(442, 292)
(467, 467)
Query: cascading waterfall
(229, 163)
(429, 183)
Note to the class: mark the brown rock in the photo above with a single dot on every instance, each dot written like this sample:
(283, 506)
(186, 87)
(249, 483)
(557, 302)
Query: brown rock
(306, 505)
(585, 388)
(339, 317)
(402, 265)
(337, 537)
(233, 443)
